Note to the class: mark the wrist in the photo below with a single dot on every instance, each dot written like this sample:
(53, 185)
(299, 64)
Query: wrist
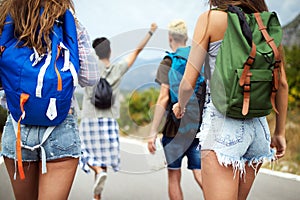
(150, 33)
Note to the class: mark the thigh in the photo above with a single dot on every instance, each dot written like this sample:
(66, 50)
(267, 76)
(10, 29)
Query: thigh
(57, 182)
(24, 189)
(247, 181)
(218, 180)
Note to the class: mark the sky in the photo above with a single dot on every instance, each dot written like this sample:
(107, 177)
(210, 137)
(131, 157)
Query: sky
(125, 22)
(117, 16)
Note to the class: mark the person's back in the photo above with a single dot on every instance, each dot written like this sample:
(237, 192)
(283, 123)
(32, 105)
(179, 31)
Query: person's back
(99, 128)
(242, 144)
(176, 145)
(59, 145)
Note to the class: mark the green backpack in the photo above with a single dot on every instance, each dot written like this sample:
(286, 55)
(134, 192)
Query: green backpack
(246, 76)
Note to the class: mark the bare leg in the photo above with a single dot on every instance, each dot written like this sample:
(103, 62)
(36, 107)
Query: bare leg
(57, 182)
(246, 184)
(198, 177)
(98, 170)
(175, 192)
(24, 189)
(218, 181)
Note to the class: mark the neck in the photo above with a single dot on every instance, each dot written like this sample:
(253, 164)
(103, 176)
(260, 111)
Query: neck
(106, 62)
(177, 45)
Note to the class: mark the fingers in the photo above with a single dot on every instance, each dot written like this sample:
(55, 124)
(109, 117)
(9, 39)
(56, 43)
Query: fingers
(178, 112)
(151, 146)
(280, 153)
(153, 27)
(279, 144)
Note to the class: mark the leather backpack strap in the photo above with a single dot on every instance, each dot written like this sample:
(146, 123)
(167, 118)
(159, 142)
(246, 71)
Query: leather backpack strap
(245, 80)
(271, 43)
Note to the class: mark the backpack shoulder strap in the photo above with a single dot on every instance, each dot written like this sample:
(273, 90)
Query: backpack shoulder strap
(271, 43)
(7, 33)
(183, 52)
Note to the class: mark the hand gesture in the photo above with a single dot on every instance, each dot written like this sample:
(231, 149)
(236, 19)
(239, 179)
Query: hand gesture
(178, 112)
(153, 27)
(279, 143)
(151, 144)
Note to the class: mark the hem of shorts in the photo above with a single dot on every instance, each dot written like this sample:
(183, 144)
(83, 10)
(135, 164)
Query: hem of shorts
(174, 168)
(238, 165)
(85, 167)
(48, 159)
(194, 168)
(59, 157)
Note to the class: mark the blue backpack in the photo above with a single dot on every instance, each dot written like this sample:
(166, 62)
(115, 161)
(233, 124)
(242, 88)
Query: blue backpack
(179, 61)
(39, 88)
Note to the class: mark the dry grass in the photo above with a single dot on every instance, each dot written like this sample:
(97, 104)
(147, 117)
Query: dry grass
(291, 161)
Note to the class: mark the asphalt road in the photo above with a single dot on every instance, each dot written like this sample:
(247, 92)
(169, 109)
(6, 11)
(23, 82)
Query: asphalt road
(144, 177)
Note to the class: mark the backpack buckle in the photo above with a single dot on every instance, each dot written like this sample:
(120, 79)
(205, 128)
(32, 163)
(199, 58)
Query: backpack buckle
(58, 22)
(250, 60)
(276, 64)
(247, 87)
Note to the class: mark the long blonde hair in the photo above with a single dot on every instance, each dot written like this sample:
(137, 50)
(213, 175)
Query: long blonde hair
(31, 27)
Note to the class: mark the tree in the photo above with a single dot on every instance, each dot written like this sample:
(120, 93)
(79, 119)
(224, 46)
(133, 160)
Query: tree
(292, 57)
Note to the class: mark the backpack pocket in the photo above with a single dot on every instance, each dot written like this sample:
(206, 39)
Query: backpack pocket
(260, 93)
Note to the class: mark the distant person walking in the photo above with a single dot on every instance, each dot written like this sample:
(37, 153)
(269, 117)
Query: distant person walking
(176, 145)
(99, 129)
(46, 160)
(232, 150)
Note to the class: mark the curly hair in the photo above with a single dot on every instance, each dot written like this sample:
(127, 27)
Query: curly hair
(31, 26)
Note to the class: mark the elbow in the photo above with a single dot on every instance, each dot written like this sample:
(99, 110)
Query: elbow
(283, 85)
(185, 87)
(163, 100)
(87, 83)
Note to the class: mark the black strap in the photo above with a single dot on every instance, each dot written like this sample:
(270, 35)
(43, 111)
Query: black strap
(244, 25)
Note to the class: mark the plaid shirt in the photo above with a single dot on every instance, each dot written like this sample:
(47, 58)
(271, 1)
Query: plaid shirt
(89, 72)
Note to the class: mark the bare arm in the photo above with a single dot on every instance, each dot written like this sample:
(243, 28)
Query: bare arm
(194, 65)
(205, 32)
(132, 56)
(278, 139)
(160, 108)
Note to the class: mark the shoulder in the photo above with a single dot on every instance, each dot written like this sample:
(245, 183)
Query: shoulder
(212, 25)
(167, 61)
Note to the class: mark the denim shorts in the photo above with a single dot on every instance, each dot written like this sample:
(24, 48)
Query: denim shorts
(236, 142)
(175, 149)
(64, 141)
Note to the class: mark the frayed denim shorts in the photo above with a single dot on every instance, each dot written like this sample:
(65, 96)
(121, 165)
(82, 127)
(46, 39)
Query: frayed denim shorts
(236, 142)
(64, 141)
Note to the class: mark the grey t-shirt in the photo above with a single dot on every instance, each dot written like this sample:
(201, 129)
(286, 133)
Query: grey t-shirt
(115, 73)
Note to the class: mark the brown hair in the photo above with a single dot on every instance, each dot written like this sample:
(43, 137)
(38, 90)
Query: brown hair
(248, 6)
(28, 21)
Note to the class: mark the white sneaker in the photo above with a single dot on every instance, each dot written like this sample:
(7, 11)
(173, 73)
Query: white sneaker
(99, 182)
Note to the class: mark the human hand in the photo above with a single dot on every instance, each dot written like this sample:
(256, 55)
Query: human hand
(151, 144)
(153, 27)
(178, 112)
(279, 143)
